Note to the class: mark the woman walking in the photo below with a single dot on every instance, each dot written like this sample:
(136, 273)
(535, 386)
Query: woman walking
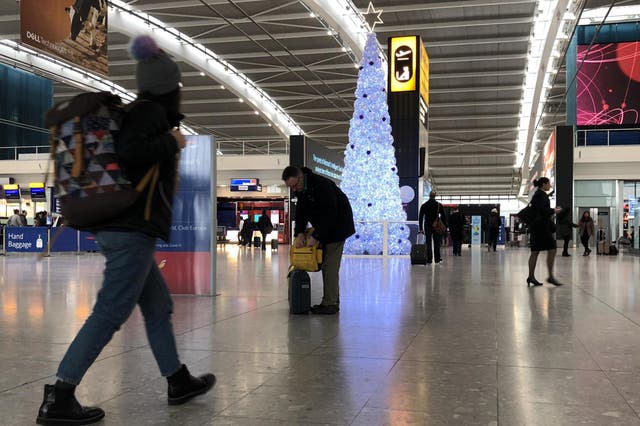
(586, 231)
(542, 231)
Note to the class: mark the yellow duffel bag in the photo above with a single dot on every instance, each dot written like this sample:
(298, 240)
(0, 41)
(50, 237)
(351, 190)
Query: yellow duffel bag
(306, 258)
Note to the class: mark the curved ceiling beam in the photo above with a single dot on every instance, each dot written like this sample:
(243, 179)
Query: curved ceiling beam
(126, 20)
(345, 19)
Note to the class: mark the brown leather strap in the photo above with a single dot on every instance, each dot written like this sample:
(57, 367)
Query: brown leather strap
(147, 177)
(155, 174)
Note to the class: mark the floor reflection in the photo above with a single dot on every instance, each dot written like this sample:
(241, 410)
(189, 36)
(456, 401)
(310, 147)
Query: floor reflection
(461, 342)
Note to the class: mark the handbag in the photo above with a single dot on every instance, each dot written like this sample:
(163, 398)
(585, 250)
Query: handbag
(439, 226)
(306, 258)
(527, 215)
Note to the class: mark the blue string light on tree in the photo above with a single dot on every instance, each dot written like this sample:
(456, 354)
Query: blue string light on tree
(370, 176)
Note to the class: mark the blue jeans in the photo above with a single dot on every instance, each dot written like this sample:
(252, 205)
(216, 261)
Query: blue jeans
(131, 277)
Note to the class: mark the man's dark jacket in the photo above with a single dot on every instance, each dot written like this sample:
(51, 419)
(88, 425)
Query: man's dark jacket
(144, 139)
(456, 225)
(264, 224)
(326, 207)
(429, 213)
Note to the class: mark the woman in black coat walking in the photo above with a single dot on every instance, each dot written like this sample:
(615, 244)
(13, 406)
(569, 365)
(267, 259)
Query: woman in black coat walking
(542, 230)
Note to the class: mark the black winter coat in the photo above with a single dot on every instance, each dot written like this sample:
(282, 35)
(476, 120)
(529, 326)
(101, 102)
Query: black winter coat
(564, 224)
(144, 139)
(494, 221)
(264, 224)
(543, 228)
(326, 207)
(456, 225)
(429, 212)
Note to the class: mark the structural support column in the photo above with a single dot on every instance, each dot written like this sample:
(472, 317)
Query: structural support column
(408, 99)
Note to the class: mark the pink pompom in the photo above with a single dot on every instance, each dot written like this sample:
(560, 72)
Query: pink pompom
(143, 47)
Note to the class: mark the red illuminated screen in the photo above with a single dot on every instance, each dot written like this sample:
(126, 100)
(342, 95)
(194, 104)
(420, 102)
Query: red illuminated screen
(608, 84)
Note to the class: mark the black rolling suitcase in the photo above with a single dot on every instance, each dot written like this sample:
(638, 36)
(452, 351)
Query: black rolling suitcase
(274, 244)
(419, 251)
(256, 242)
(299, 292)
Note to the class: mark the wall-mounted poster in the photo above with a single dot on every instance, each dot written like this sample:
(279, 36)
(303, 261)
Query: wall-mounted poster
(73, 30)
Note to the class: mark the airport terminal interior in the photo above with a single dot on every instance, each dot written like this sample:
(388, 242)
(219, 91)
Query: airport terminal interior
(396, 102)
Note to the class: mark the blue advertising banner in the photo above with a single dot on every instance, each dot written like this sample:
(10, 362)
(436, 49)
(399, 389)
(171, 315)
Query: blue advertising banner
(476, 230)
(186, 260)
(26, 239)
(501, 234)
(66, 239)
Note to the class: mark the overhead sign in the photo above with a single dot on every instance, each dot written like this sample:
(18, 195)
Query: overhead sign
(75, 31)
(402, 63)
(37, 190)
(11, 192)
(245, 181)
(245, 185)
(424, 73)
(38, 194)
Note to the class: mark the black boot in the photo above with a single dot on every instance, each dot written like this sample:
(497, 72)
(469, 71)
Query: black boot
(183, 386)
(60, 407)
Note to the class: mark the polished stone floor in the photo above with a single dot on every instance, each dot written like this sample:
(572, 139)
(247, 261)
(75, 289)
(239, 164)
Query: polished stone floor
(464, 342)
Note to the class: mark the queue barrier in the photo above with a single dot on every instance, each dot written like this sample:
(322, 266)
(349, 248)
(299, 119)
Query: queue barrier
(40, 239)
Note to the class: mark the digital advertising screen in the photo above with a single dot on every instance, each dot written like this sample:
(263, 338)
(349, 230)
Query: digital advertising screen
(607, 84)
(323, 161)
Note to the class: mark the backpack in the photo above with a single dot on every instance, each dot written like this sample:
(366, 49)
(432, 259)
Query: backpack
(89, 181)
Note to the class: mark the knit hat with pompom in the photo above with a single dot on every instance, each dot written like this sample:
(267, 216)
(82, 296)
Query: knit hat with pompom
(156, 73)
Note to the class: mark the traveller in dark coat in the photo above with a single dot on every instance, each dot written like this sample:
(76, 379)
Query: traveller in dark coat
(456, 227)
(564, 227)
(494, 229)
(429, 213)
(322, 204)
(542, 229)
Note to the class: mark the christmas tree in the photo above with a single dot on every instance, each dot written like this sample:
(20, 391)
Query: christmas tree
(370, 176)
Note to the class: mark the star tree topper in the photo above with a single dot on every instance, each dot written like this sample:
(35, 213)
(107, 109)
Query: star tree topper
(373, 17)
